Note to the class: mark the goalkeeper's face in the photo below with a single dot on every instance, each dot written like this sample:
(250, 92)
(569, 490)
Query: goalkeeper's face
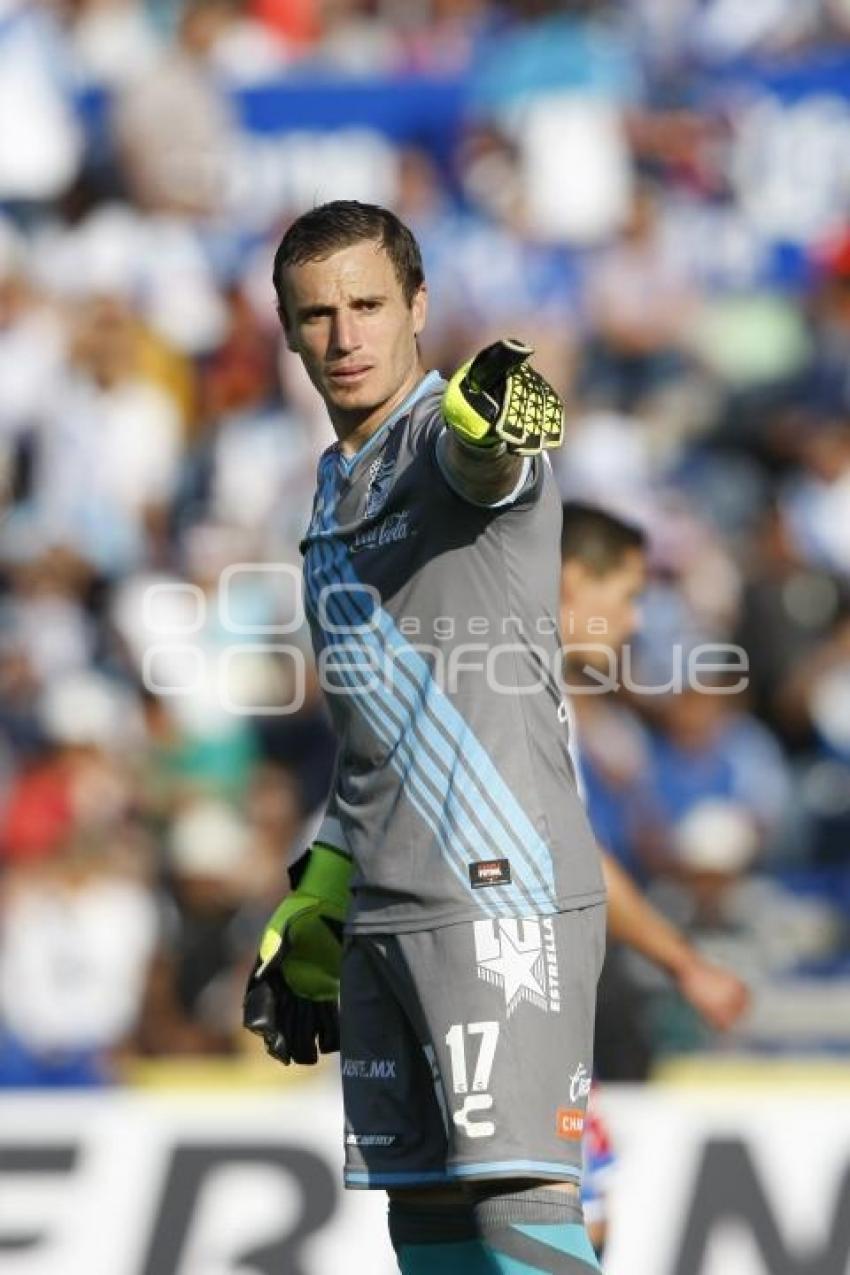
(347, 317)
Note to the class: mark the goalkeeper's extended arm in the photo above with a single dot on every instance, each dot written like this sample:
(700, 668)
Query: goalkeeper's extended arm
(291, 997)
(497, 410)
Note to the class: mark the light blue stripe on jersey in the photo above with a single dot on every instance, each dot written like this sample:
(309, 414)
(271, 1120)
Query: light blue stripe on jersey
(448, 806)
(472, 773)
(417, 760)
(454, 773)
(455, 815)
(463, 786)
(408, 763)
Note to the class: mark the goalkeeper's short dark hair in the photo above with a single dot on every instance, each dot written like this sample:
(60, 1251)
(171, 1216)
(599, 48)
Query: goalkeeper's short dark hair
(597, 539)
(324, 230)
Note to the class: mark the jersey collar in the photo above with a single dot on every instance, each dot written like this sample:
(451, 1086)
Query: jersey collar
(429, 382)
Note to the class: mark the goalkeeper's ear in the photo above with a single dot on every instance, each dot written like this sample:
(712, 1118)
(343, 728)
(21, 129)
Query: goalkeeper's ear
(419, 308)
(288, 333)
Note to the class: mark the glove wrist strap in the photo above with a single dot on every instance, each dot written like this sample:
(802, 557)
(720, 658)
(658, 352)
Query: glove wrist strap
(328, 876)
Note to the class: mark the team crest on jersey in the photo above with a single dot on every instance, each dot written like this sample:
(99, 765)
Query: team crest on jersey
(520, 957)
(380, 477)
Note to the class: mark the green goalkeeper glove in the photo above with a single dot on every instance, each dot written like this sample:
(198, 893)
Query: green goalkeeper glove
(497, 396)
(292, 995)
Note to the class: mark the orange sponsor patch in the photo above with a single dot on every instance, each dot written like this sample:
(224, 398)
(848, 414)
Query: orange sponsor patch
(569, 1123)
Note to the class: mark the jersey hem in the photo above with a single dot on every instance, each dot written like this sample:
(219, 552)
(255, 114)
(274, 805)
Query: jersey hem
(455, 917)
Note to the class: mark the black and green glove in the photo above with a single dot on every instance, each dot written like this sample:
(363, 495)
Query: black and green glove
(292, 995)
(497, 397)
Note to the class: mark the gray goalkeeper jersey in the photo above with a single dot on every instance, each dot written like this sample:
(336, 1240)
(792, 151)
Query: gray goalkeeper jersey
(435, 627)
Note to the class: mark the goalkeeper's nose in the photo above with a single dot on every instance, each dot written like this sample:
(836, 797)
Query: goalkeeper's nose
(345, 335)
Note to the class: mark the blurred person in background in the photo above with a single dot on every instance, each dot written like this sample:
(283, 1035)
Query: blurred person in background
(106, 457)
(41, 155)
(71, 993)
(175, 128)
(706, 746)
(789, 606)
(558, 80)
(816, 500)
(247, 440)
(815, 698)
(827, 381)
(77, 780)
(603, 572)
(720, 29)
(445, 35)
(356, 37)
(194, 991)
(640, 304)
(112, 42)
(294, 22)
(79, 923)
(32, 354)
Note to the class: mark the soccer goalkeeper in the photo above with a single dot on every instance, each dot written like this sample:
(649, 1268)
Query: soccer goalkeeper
(454, 850)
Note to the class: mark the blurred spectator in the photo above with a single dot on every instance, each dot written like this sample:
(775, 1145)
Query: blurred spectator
(31, 353)
(706, 749)
(733, 914)
(294, 22)
(557, 79)
(788, 608)
(77, 784)
(175, 128)
(640, 307)
(445, 37)
(354, 38)
(79, 920)
(817, 499)
(77, 937)
(193, 1000)
(251, 443)
(106, 463)
(828, 380)
(722, 29)
(112, 41)
(40, 139)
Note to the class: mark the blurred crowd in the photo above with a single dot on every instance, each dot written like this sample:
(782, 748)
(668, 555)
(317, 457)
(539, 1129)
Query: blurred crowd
(629, 187)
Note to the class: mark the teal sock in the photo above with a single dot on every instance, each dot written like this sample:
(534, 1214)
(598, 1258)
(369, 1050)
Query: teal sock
(545, 1252)
(471, 1258)
(533, 1232)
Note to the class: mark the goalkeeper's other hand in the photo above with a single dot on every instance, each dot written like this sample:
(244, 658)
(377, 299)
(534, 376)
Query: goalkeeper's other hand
(497, 396)
(291, 999)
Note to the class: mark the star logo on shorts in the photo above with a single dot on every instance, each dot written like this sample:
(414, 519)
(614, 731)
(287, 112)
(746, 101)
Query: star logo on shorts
(510, 954)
